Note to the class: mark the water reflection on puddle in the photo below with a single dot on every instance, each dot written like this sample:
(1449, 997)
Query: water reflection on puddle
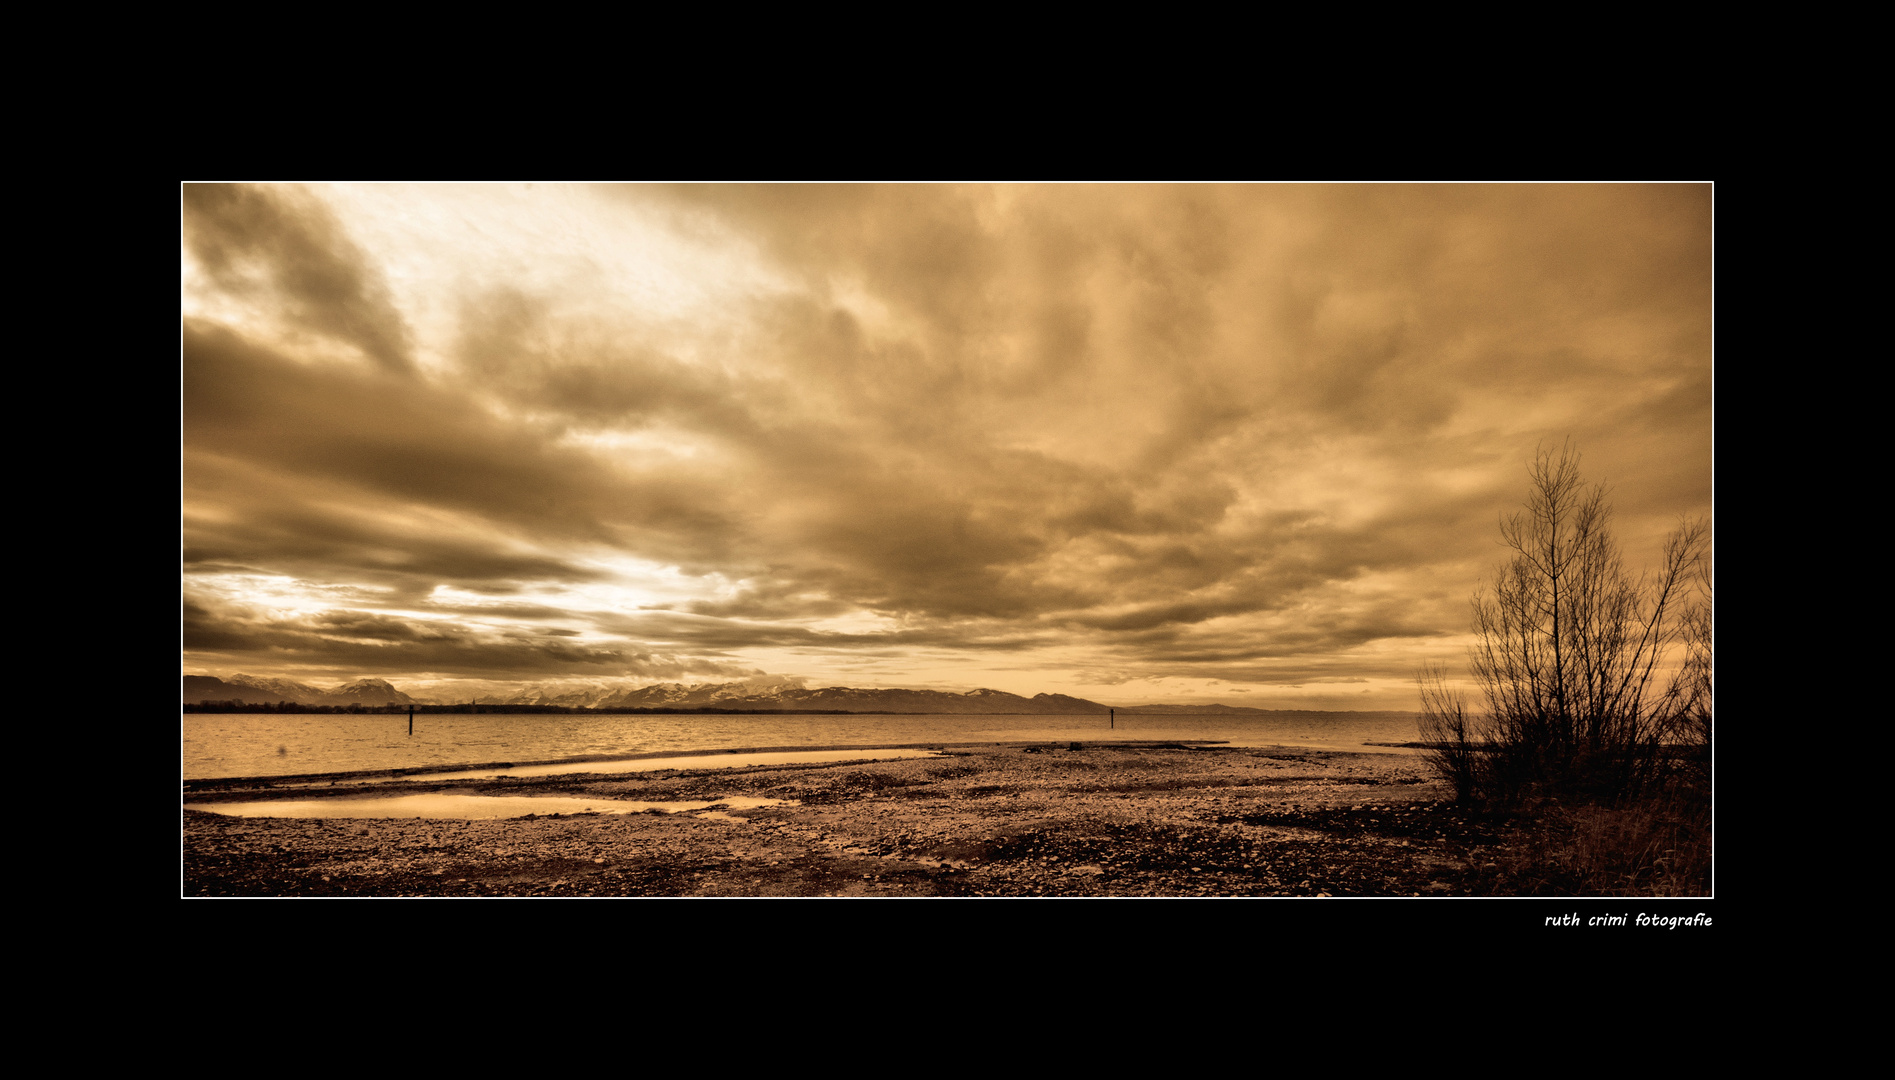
(468, 807)
(695, 761)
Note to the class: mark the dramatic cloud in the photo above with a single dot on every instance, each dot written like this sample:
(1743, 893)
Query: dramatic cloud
(1123, 442)
(288, 247)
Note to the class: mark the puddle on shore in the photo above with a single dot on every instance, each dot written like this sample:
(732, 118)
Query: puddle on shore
(469, 807)
(727, 760)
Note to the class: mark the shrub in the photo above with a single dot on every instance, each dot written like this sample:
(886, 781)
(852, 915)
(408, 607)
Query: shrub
(1597, 683)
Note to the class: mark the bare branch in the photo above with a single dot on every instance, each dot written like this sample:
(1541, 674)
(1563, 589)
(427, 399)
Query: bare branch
(1578, 661)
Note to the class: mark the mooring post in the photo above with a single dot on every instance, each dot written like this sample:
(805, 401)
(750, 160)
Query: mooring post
(411, 719)
(1112, 716)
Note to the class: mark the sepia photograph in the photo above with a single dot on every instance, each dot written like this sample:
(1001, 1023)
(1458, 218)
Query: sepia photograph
(1343, 542)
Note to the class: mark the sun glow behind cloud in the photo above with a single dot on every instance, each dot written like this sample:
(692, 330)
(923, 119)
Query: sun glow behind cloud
(602, 259)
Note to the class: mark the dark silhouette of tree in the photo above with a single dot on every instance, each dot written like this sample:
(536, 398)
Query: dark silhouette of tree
(1591, 676)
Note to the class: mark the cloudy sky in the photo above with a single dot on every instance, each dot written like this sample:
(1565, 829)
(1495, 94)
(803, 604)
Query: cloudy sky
(1134, 443)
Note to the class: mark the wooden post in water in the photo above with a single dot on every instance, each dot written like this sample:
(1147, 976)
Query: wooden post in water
(411, 720)
(1112, 715)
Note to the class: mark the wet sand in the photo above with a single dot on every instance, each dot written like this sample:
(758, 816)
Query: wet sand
(1081, 820)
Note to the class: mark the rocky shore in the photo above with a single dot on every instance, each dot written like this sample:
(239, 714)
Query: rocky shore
(1081, 820)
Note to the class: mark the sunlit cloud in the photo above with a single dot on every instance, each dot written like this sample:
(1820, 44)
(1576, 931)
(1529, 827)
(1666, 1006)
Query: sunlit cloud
(1092, 439)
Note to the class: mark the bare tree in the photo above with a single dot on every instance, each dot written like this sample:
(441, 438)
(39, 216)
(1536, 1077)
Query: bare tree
(1576, 658)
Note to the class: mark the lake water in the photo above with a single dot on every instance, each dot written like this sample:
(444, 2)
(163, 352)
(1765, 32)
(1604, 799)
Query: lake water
(214, 745)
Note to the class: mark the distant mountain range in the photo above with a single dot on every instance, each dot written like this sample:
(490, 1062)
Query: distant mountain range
(846, 699)
(253, 690)
(250, 689)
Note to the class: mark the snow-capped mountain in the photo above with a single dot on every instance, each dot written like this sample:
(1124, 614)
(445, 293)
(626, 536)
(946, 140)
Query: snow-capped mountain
(265, 691)
(752, 694)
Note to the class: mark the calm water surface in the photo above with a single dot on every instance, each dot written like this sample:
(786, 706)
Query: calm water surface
(276, 744)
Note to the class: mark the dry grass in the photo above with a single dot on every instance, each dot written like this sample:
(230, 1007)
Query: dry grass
(1656, 847)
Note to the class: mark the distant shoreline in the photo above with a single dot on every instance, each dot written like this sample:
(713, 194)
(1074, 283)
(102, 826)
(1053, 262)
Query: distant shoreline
(357, 708)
